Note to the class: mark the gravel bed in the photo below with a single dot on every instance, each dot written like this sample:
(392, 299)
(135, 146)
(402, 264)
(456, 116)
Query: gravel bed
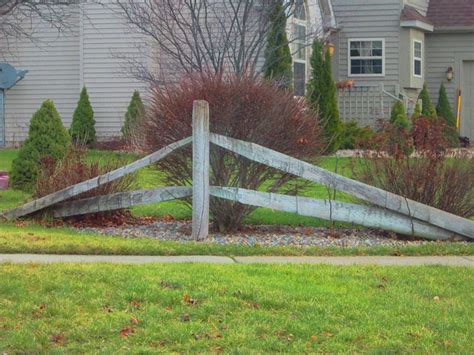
(263, 235)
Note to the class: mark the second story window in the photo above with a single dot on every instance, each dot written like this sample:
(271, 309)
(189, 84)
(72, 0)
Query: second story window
(300, 55)
(417, 58)
(366, 57)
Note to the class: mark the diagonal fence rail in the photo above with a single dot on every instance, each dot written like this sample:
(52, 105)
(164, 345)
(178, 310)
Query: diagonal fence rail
(387, 211)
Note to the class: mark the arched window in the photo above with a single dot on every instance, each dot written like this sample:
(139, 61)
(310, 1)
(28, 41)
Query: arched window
(300, 50)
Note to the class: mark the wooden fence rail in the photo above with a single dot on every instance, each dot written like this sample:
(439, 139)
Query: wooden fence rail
(120, 200)
(69, 192)
(391, 212)
(374, 195)
(373, 217)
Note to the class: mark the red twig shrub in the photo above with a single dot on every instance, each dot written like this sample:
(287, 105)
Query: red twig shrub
(428, 175)
(244, 108)
(75, 168)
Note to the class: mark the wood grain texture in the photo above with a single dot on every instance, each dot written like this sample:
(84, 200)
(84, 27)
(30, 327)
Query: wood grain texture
(373, 217)
(90, 184)
(120, 200)
(363, 191)
(200, 225)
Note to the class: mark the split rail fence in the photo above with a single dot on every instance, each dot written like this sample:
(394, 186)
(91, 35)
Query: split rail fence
(385, 210)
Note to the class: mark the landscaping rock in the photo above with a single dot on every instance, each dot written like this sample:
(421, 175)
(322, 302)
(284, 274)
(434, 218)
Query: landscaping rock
(266, 236)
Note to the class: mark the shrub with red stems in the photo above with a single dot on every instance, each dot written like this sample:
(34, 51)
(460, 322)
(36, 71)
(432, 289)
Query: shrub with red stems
(253, 110)
(417, 164)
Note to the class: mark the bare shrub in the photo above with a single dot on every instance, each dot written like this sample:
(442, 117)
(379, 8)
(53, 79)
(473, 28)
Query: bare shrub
(74, 168)
(249, 109)
(428, 175)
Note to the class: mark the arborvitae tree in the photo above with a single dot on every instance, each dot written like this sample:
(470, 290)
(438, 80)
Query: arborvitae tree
(278, 61)
(443, 109)
(416, 112)
(427, 108)
(322, 96)
(83, 124)
(314, 89)
(47, 137)
(398, 115)
(330, 109)
(133, 116)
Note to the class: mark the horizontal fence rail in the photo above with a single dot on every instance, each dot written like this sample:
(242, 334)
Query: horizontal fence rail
(373, 217)
(69, 192)
(391, 212)
(374, 195)
(120, 200)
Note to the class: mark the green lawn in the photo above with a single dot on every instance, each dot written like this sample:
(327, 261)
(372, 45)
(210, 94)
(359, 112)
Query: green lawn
(41, 240)
(235, 308)
(149, 178)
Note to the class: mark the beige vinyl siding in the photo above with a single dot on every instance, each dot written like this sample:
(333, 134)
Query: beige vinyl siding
(52, 61)
(442, 51)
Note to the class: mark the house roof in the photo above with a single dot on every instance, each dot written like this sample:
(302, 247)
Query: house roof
(451, 13)
(409, 13)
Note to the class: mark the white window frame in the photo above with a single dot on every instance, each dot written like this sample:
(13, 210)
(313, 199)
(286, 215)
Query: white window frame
(420, 59)
(306, 24)
(349, 58)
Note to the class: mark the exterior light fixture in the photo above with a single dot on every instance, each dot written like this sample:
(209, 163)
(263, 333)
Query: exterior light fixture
(449, 74)
(331, 48)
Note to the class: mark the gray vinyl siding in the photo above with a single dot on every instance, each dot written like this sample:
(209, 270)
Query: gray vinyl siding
(368, 19)
(60, 64)
(442, 51)
(106, 40)
(52, 62)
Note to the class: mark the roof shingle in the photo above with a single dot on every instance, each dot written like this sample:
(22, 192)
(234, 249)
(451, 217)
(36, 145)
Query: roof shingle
(451, 13)
(409, 13)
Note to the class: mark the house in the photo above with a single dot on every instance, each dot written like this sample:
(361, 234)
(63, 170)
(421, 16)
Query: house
(88, 52)
(387, 49)
(95, 51)
(383, 50)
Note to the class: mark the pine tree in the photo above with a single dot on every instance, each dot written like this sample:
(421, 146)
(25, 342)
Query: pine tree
(427, 108)
(83, 124)
(133, 116)
(322, 96)
(278, 61)
(47, 137)
(444, 110)
(398, 115)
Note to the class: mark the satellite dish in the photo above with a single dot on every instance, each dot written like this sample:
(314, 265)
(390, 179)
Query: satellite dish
(9, 76)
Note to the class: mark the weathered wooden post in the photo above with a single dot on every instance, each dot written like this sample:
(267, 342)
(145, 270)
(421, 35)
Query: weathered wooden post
(200, 228)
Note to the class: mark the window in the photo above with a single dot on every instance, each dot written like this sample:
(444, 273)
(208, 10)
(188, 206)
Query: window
(300, 56)
(417, 58)
(366, 57)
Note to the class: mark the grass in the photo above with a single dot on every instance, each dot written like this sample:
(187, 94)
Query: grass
(149, 178)
(41, 240)
(235, 308)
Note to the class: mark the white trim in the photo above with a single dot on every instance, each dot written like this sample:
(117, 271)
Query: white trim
(349, 74)
(307, 25)
(413, 58)
(420, 25)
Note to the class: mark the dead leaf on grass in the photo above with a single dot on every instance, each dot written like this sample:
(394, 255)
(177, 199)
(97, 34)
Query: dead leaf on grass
(125, 332)
(58, 338)
(187, 298)
(134, 320)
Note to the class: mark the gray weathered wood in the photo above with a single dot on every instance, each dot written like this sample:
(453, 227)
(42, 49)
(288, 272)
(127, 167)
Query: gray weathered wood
(363, 191)
(373, 217)
(90, 184)
(120, 200)
(200, 225)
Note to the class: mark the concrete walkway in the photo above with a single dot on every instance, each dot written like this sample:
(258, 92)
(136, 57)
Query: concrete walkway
(340, 260)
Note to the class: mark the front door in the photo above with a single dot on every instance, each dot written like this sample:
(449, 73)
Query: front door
(467, 108)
